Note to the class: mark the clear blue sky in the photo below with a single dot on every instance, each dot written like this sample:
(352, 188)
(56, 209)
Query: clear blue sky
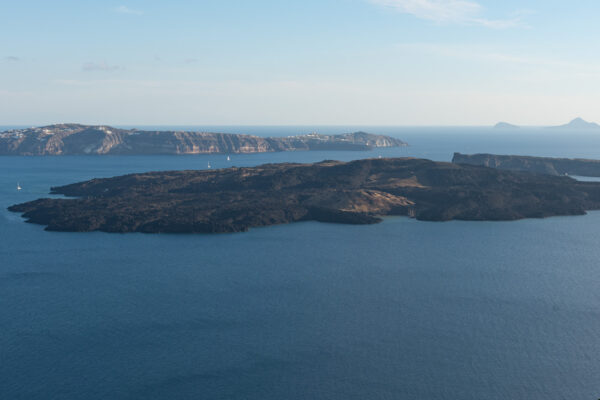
(368, 62)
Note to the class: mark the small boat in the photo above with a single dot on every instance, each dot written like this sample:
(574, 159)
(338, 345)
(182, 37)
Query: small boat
(209, 167)
(228, 159)
(19, 186)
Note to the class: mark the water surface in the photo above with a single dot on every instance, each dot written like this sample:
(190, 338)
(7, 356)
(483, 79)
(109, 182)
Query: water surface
(399, 310)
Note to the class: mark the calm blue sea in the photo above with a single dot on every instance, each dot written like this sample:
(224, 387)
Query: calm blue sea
(399, 310)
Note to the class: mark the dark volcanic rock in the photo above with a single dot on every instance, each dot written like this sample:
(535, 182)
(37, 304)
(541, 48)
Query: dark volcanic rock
(358, 192)
(65, 139)
(539, 165)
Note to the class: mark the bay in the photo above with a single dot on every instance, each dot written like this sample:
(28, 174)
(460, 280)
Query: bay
(399, 310)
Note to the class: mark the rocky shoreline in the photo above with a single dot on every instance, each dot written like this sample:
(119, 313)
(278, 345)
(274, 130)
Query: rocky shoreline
(357, 192)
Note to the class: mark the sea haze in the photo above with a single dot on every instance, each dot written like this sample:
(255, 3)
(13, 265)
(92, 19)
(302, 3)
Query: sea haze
(399, 310)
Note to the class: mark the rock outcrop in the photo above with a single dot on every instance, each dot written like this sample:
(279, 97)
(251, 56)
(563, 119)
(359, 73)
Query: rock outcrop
(357, 192)
(539, 165)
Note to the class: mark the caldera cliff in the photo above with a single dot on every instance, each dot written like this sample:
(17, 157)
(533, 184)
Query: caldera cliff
(74, 139)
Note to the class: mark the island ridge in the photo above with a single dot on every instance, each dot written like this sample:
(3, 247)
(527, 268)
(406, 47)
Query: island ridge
(357, 192)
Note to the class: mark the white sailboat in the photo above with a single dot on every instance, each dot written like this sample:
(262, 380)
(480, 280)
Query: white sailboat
(209, 167)
(228, 158)
(19, 186)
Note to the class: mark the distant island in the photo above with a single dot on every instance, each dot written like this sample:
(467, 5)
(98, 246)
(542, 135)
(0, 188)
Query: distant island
(357, 192)
(505, 125)
(578, 123)
(540, 165)
(72, 139)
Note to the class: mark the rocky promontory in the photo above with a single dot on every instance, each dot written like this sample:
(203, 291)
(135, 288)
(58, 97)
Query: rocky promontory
(357, 192)
(73, 139)
(539, 165)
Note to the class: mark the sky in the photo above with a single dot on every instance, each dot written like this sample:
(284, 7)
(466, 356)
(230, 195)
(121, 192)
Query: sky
(299, 62)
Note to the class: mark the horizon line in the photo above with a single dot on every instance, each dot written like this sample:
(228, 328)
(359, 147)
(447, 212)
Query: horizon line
(30, 125)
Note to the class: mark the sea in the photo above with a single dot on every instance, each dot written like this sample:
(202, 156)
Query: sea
(399, 310)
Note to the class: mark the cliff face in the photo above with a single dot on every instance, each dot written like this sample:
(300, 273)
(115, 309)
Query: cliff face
(65, 139)
(539, 165)
(358, 192)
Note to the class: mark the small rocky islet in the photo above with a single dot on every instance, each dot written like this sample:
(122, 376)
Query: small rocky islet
(356, 192)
